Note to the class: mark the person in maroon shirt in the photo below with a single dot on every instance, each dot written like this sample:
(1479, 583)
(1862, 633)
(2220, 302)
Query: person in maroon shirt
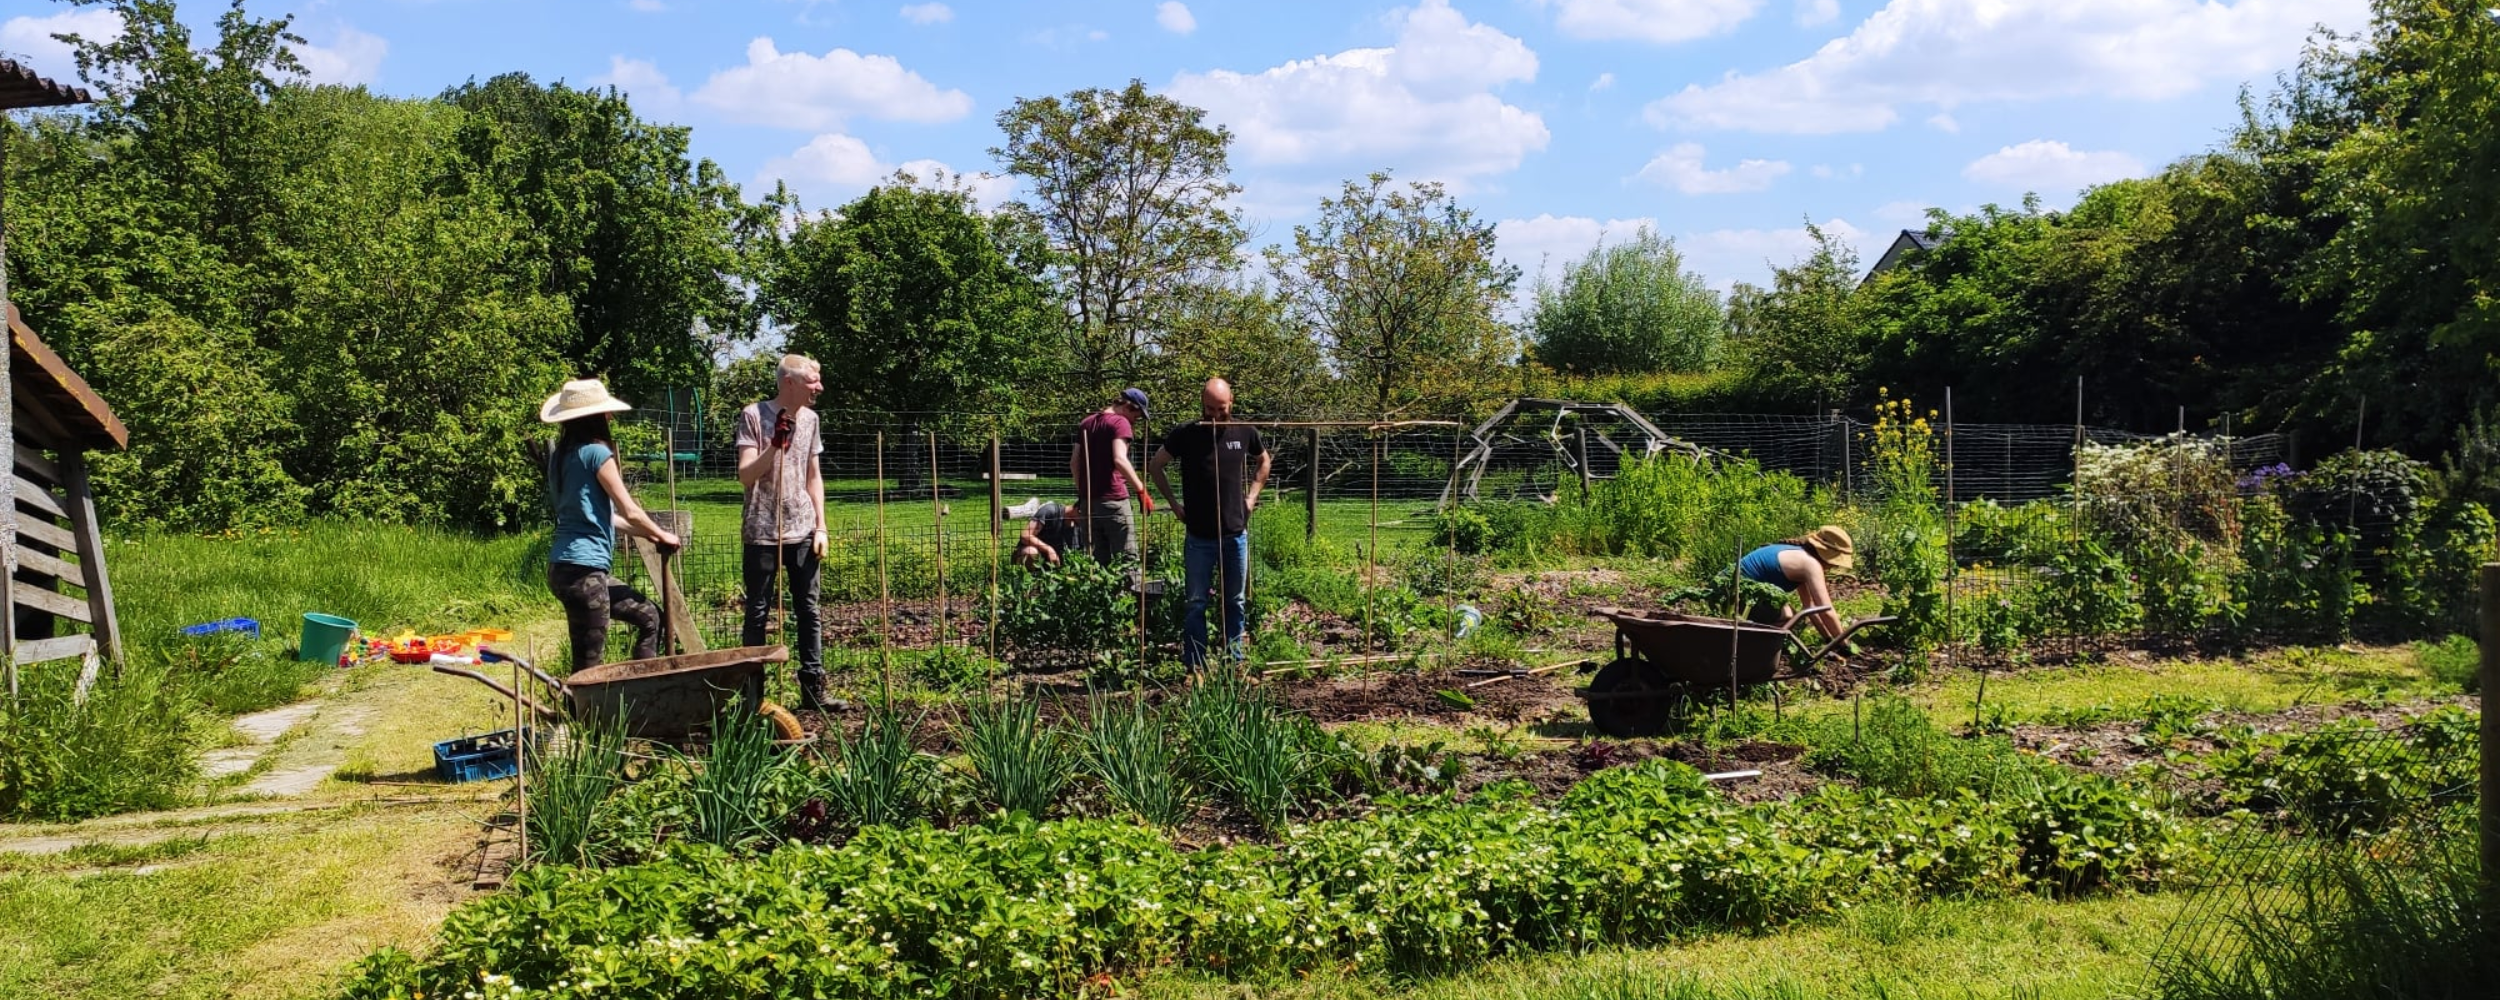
(1105, 478)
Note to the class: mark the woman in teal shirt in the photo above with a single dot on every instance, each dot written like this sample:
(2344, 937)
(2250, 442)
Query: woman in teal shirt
(1802, 566)
(590, 502)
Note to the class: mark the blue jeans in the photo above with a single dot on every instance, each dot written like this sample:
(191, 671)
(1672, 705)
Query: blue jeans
(1198, 566)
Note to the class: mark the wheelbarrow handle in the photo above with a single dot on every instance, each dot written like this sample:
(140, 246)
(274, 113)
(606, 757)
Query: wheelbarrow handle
(554, 686)
(1842, 639)
(543, 712)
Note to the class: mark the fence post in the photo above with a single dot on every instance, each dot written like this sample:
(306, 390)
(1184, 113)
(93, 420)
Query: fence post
(2490, 790)
(1582, 444)
(1310, 497)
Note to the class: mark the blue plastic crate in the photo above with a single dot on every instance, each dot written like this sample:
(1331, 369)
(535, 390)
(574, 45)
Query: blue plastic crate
(246, 626)
(477, 758)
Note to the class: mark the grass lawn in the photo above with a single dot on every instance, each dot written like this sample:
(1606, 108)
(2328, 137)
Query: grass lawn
(2028, 948)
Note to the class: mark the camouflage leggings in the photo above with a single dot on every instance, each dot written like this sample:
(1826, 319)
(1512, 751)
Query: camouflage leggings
(590, 598)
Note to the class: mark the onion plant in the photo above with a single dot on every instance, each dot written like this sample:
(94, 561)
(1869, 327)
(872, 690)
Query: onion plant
(1129, 747)
(730, 791)
(1247, 747)
(877, 777)
(569, 782)
(1018, 763)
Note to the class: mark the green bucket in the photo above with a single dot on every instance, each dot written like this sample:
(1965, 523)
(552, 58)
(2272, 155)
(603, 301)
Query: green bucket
(325, 637)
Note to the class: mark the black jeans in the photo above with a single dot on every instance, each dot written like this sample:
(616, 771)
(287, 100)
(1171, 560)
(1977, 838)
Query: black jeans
(800, 565)
(590, 598)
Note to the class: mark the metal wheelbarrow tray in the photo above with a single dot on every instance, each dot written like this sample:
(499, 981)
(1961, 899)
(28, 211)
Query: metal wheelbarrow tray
(659, 698)
(1665, 660)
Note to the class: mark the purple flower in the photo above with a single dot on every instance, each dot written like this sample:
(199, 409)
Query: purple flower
(2265, 476)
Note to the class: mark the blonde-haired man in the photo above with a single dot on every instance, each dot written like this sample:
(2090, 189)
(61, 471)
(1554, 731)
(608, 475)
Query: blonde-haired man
(784, 525)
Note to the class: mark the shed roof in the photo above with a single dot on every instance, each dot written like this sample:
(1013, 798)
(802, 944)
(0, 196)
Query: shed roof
(21, 87)
(42, 380)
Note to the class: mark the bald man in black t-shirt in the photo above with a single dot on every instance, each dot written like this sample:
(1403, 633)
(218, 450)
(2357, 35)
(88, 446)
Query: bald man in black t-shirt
(1223, 468)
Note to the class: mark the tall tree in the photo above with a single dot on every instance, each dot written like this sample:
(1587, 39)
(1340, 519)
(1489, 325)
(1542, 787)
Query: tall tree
(639, 239)
(909, 299)
(1241, 331)
(1129, 188)
(1796, 342)
(1403, 289)
(2415, 269)
(1631, 307)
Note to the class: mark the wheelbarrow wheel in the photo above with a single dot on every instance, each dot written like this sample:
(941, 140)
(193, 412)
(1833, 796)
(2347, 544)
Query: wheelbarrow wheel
(1628, 700)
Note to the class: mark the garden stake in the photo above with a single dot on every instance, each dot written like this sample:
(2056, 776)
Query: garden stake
(2490, 770)
(520, 773)
(998, 517)
(885, 596)
(937, 518)
(1736, 582)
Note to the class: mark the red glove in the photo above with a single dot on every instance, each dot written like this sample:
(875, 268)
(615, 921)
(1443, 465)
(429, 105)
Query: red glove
(1149, 500)
(783, 428)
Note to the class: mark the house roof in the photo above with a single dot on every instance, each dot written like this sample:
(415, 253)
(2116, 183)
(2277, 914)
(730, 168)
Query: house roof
(1909, 242)
(47, 385)
(21, 87)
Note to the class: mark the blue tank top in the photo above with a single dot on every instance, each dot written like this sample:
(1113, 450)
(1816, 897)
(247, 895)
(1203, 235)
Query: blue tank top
(585, 535)
(1762, 565)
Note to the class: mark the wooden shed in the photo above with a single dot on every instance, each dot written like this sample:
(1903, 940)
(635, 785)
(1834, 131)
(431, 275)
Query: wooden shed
(51, 547)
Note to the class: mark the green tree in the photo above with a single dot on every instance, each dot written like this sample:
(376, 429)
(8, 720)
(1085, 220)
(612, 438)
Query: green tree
(1797, 343)
(909, 299)
(642, 242)
(1403, 289)
(1631, 307)
(2414, 268)
(1129, 189)
(1241, 332)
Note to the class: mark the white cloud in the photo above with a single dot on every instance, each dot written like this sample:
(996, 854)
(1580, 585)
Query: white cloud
(647, 6)
(2042, 165)
(31, 37)
(351, 59)
(1817, 12)
(928, 13)
(800, 91)
(1651, 20)
(1066, 36)
(1827, 171)
(1545, 245)
(1727, 256)
(642, 81)
(1174, 16)
(1604, 81)
(1424, 106)
(833, 168)
(1681, 168)
(1943, 122)
(1950, 52)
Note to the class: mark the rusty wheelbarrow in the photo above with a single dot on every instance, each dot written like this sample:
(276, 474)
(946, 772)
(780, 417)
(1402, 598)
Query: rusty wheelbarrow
(659, 698)
(1664, 661)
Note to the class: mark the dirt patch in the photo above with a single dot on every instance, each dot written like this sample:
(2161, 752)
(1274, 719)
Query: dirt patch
(1436, 695)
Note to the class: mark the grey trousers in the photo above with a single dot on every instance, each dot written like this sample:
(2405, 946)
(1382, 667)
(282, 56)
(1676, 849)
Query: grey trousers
(1112, 530)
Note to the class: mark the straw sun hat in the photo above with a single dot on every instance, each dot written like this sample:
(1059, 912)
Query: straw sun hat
(1831, 544)
(580, 398)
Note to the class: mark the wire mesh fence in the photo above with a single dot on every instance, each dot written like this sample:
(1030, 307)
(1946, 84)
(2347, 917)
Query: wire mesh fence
(923, 509)
(2325, 812)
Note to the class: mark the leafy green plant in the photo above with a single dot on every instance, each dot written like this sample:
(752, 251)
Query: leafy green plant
(2455, 662)
(1897, 749)
(1526, 611)
(2299, 581)
(129, 747)
(952, 667)
(2086, 590)
(1018, 763)
(1443, 573)
(1132, 749)
(1079, 606)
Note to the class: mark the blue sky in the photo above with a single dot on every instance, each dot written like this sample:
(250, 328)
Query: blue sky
(1723, 123)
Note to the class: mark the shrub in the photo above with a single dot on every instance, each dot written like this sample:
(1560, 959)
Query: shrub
(2158, 494)
(2297, 580)
(1438, 574)
(1671, 507)
(2085, 590)
(1983, 531)
(1079, 607)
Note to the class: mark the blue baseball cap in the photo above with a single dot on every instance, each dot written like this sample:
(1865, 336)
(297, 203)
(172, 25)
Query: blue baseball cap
(1135, 397)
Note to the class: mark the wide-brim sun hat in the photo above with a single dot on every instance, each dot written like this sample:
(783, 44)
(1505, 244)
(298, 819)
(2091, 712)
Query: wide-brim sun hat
(581, 397)
(1832, 545)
